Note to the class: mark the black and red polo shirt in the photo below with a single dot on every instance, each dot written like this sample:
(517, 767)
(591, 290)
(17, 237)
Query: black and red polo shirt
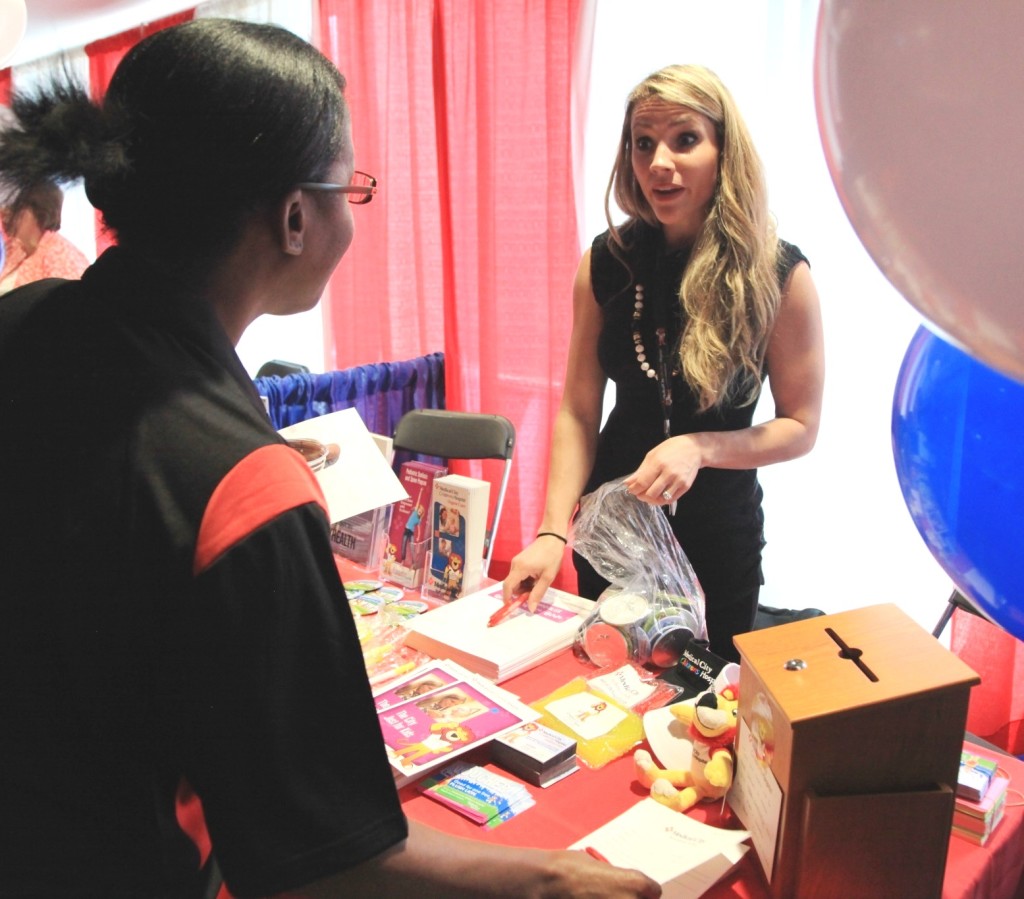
(169, 609)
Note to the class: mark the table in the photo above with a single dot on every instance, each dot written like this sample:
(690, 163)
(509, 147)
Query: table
(571, 808)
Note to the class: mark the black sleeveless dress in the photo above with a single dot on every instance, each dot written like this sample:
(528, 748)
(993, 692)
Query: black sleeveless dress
(719, 522)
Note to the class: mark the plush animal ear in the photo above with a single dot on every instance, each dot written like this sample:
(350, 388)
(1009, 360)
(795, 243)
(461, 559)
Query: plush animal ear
(682, 712)
(708, 700)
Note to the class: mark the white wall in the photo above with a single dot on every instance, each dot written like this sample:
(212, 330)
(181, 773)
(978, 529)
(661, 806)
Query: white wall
(839, 533)
(297, 338)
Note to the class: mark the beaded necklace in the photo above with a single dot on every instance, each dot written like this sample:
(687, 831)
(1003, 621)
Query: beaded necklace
(661, 373)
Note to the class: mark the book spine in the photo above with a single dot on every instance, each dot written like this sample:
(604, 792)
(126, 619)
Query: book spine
(976, 838)
(974, 825)
(978, 825)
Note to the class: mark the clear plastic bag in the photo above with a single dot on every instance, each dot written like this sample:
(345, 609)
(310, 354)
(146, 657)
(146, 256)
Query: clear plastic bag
(654, 605)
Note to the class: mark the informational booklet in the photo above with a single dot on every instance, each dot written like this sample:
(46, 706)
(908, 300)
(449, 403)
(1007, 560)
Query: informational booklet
(406, 547)
(460, 631)
(439, 711)
(478, 793)
(360, 537)
(685, 856)
(458, 515)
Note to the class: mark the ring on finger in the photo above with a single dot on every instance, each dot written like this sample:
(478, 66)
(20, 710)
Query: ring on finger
(666, 495)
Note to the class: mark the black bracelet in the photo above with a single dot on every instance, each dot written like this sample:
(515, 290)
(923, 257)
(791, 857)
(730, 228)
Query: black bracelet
(553, 534)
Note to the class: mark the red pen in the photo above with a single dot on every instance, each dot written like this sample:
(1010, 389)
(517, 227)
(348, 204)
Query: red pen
(507, 610)
(593, 853)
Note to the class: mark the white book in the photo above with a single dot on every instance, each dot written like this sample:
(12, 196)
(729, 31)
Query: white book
(459, 631)
(458, 516)
(685, 856)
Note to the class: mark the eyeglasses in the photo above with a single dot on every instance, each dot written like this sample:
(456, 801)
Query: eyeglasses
(360, 189)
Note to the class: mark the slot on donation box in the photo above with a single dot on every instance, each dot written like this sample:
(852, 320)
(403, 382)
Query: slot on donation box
(851, 727)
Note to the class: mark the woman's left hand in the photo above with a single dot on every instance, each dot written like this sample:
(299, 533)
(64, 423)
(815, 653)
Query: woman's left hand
(668, 471)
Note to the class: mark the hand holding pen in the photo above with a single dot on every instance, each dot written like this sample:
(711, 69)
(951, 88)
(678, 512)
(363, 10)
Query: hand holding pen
(507, 609)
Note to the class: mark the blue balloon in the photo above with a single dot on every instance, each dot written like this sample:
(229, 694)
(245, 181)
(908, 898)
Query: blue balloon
(958, 441)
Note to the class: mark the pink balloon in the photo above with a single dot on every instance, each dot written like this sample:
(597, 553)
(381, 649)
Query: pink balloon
(13, 19)
(920, 112)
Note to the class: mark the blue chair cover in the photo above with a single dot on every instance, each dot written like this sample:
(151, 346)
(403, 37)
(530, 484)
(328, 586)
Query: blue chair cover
(382, 392)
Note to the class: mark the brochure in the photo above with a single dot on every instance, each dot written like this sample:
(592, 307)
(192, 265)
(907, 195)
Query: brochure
(440, 711)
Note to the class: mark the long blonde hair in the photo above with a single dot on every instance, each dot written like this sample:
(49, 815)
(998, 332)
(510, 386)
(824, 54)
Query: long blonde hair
(730, 291)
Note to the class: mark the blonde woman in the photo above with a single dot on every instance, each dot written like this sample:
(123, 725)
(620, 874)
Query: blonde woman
(689, 306)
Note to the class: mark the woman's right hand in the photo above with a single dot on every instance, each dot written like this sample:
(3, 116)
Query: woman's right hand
(533, 570)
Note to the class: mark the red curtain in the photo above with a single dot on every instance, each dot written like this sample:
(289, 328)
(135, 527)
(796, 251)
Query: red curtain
(463, 111)
(996, 710)
(104, 56)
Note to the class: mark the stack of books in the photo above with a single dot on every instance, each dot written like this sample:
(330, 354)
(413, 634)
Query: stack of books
(537, 754)
(980, 799)
(460, 631)
(976, 773)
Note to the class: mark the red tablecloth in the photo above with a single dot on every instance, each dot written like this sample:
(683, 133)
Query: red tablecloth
(571, 808)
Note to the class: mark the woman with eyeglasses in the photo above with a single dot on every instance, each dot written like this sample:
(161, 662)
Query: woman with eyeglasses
(171, 616)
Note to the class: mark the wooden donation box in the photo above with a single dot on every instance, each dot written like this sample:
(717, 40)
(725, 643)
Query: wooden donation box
(848, 752)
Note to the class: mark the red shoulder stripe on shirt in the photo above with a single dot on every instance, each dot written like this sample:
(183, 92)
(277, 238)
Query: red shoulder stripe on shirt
(269, 481)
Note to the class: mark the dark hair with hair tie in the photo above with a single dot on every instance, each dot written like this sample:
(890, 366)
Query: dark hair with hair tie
(202, 123)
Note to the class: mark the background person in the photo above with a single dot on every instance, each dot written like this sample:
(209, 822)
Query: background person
(171, 611)
(33, 248)
(688, 306)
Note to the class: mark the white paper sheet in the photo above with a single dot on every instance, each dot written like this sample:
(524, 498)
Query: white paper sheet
(685, 856)
(361, 479)
(756, 798)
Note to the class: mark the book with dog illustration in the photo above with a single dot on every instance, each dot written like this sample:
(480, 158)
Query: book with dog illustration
(458, 526)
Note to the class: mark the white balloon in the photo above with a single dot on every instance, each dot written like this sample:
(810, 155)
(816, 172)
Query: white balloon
(920, 112)
(13, 18)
